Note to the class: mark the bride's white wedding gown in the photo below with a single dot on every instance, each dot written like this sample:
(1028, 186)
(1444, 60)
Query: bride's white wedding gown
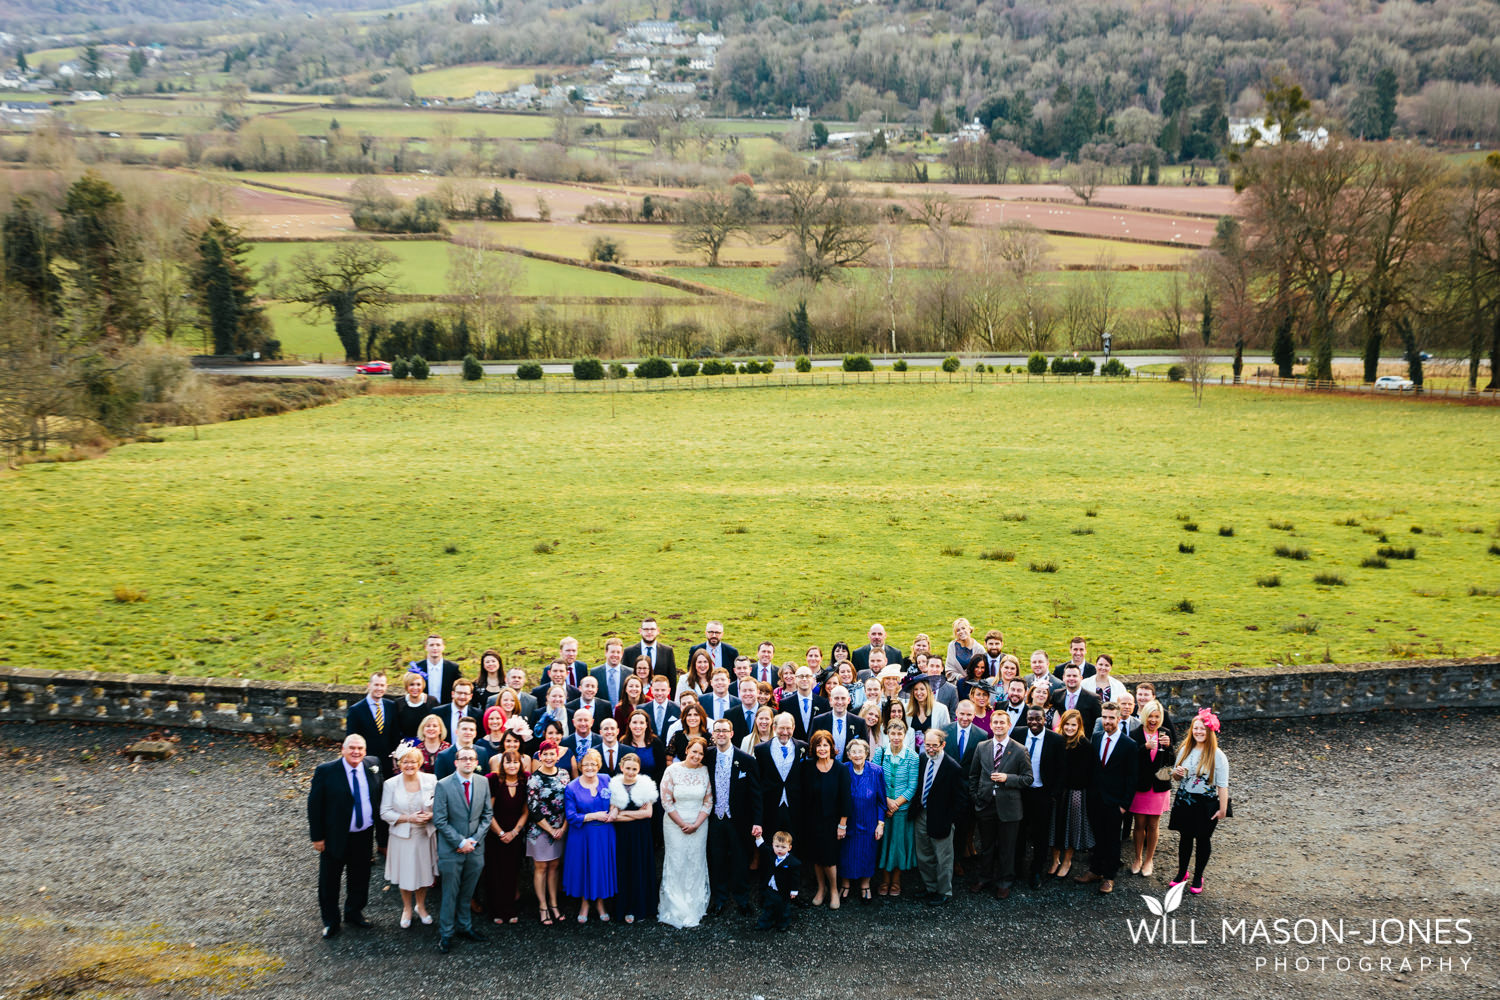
(684, 873)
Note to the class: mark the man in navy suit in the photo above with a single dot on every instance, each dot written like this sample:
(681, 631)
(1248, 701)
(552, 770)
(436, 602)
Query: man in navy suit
(839, 723)
(556, 676)
(1045, 750)
(590, 699)
(720, 653)
(717, 701)
(942, 796)
(663, 657)
(567, 652)
(803, 706)
(861, 656)
(373, 717)
(780, 777)
(962, 737)
(460, 707)
(1078, 656)
(611, 674)
(1073, 696)
(438, 672)
(661, 710)
(734, 823)
(465, 737)
(342, 803)
(1109, 798)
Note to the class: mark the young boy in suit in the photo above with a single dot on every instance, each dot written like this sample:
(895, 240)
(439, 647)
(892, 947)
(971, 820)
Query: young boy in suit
(782, 876)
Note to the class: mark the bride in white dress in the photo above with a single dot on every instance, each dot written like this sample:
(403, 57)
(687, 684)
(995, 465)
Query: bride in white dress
(687, 802)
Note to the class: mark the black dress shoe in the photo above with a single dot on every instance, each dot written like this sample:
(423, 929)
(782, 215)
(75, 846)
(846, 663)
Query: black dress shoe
(1036, 881)
(715, 909)
(332, 930)
(357, 920)
(445, 945)
(744, 909)
(937, 900)
(470, 933)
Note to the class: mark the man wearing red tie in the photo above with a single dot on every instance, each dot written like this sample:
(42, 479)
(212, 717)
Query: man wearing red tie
(1109, 797)
(461, 810)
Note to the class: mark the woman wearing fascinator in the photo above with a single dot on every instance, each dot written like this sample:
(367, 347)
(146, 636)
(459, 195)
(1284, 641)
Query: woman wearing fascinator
(1202, 797)
(631, 794)
(406, 804)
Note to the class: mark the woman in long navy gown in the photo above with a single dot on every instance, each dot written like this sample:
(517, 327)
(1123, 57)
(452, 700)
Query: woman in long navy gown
(866, 823)
(589, 857)
(631, 794)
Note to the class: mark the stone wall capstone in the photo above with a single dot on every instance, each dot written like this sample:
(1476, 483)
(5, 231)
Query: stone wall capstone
(317, 711)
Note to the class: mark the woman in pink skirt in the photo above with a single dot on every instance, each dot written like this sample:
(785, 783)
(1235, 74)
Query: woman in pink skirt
(1152, 791)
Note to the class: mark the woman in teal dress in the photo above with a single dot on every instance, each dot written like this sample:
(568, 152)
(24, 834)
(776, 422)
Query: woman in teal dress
(899, 763)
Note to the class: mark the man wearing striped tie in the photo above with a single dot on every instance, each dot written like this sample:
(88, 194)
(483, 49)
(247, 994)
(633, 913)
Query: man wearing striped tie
(373, 717)
(941, 798)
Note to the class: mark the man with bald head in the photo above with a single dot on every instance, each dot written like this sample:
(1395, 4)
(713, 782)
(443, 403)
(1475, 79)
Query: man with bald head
(861, 656)
(342, 804)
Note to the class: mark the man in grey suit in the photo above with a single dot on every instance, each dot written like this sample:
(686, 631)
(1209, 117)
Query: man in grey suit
(997, 774)
(611, 674)
(461, 810)
(515, 679)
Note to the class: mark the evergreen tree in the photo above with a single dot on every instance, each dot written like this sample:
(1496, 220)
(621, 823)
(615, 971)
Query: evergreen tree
(1283, 350)
(226, 290)
(28, 242)
(106, 255)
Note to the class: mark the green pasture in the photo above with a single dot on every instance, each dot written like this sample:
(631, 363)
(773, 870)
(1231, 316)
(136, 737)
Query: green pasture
(419, 123)
(423, 269)
(467, 80)
(317, 545)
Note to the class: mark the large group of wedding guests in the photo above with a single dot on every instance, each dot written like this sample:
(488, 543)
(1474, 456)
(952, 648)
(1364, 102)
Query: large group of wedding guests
(641, 792)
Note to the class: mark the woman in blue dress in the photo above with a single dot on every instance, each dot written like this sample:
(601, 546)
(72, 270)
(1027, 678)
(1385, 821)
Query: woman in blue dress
(589, 857)
(900, 764)
(631, 795)
(866, 822)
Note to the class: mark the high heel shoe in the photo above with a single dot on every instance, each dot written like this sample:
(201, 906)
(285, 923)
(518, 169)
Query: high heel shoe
(1063, 871)
(546, 917)
(426, 918)
(1197, 887)
(556, 913)
(1135, 867)
(405, 921)
(866, 897)
(1147, 869)
(1181, 878)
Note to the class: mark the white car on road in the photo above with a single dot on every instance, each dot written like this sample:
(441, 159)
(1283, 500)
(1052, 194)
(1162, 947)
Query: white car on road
(1394, 383)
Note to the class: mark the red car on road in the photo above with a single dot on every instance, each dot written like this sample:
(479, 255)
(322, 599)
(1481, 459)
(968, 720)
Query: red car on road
(374, 368)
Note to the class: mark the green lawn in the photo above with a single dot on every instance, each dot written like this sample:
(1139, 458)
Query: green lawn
(420, 123)
(467, 80)
(315, 545)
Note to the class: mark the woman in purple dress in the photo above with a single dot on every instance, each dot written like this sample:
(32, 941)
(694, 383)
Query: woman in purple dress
(589, 857)
(866, 821)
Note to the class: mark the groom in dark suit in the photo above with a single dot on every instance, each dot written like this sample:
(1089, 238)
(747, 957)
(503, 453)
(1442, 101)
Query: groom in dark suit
(342, 804)
(734, 823)
(1109, 797)
(663, 658)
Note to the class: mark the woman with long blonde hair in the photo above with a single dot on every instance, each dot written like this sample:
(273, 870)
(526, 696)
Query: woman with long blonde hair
(1202, 797)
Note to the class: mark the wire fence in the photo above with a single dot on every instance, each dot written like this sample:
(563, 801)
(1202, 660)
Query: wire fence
(791, 380)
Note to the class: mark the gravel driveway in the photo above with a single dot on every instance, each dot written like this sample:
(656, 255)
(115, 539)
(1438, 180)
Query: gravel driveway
(193, 877)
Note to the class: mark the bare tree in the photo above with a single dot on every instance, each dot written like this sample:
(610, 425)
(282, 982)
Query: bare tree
(827, 229)
(1195, 362)
(352, 277)
(484, 282)
(888, 239)
(1172, 309)
(709, 219)
(941, 215)
(1084, 179)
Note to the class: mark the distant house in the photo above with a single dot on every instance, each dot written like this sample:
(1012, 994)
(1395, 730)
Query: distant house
(599, 110)
(682, 89)
(801, 114)
(704, 62)
(972, 132)
(485, 99)
(709, 41)
(87, 95)
(1255, 131)
(479, 19)
(656, 33)
(643, 64)
(622, 79)
(23, 114)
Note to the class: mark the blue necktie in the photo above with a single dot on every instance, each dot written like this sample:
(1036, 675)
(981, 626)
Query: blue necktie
(963, 734)
(359, 814)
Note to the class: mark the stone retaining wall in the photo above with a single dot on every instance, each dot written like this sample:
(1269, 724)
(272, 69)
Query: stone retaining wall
(317, 710)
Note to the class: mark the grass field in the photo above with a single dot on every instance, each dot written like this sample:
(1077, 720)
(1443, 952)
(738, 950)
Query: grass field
(420, 123)
(318, 544)
(466, 81)
(423, 269)
(1133, 288)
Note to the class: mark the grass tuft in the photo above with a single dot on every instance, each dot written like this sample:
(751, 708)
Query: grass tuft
(1307, 626)
(1091, 512)
(450, 549)
(1348, 522)
(1274, 580)
(129, 595)
(1044, 567)
(1281, 525)
(1373, 562)
(1329, 580)
(1186, 549)
(949, 550)
(1396, 552)
(1287, 552)
(1226, 531)
(1013, 515)
(998, 555)
(1190, 526)
(1083, 530)
(544, 548)
(1416, 529)
(1185, 606)
(1495, 548)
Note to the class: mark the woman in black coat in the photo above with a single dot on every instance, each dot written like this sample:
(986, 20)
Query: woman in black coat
(1070, 822)
(826, 802)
